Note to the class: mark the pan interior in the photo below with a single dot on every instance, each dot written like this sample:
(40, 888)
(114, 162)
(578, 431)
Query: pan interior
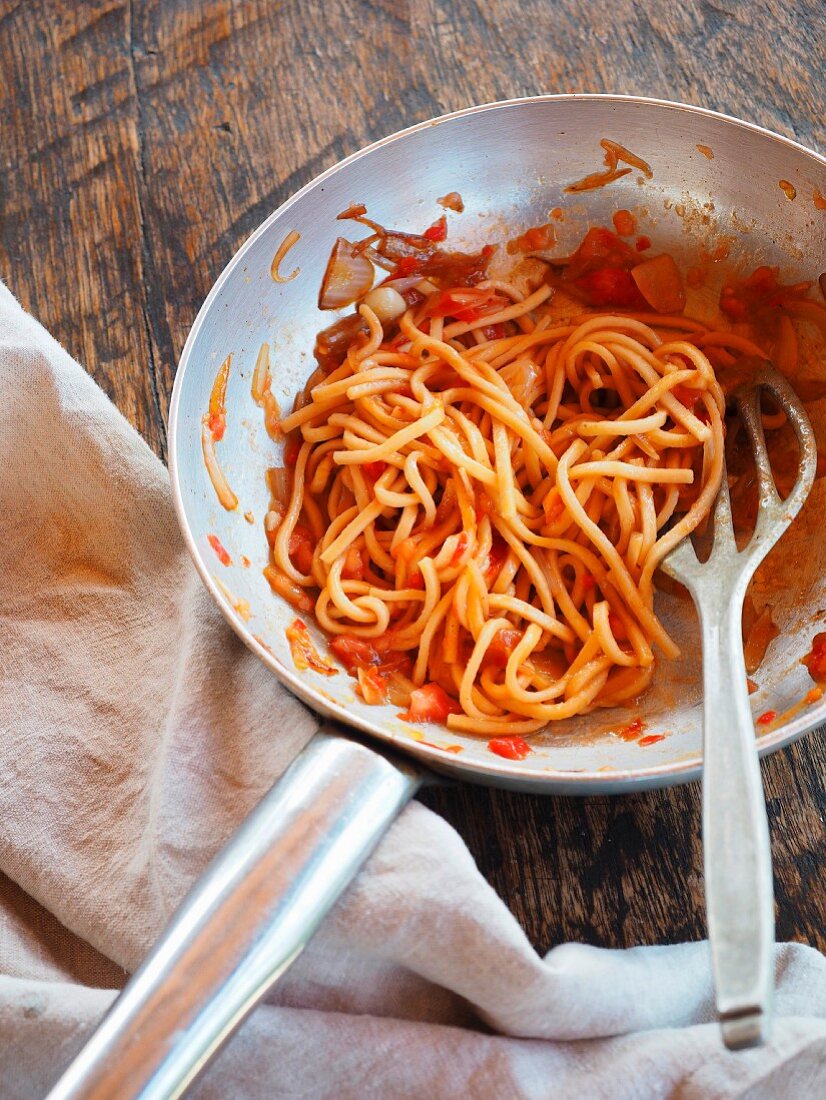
(510, 163)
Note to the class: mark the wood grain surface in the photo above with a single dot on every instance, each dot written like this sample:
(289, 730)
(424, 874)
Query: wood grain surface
(143, 141)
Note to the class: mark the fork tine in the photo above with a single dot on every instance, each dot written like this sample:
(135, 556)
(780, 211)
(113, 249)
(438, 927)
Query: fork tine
(748, 405)
(723, 544)
(774, 515)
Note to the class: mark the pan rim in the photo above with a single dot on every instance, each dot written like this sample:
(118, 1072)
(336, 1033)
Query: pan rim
(522, 773)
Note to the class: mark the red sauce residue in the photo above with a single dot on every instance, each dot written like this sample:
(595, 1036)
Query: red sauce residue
(304, 653)
(632, 731)
(245, 561)
(511, 748)
(788, 189)
(767, 718)
(750, 684)
(438, 231)
(451, 201)
(556, 214)
(814, 695)
(354, 210)
(815, 660)
(535, 239)
(642, 244)
(442, 748)
(624, 222)
(651, 739)
(223, 556)
(707, 153)
(289, 241)
(614, 154)
(818, 199)
(291, 450)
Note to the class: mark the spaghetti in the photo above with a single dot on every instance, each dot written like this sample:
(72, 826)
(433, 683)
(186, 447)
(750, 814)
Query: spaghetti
(477, 499)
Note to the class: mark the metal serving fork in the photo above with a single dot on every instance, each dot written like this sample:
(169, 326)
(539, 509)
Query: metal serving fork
(737, 854)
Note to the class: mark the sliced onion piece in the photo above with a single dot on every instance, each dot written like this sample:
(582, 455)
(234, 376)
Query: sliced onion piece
(660, 283)
(279, 479)
(349, 275)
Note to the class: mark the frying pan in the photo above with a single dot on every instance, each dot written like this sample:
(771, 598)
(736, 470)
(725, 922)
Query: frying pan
(716, 187)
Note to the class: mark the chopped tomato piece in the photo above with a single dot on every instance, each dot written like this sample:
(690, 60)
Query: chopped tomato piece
(438, 231)
(374, 470)
(624, 222)
(353, 652)
(767, 718)
(642, 244)
(815, 661)
(687, 396)
(405, 550)
(511, 748)
(661, 284)
(416, 580)
(431, 703)
(493, 332)
(732, 307)
(408, 265)
(536, 239)
(484, 507)
(217, 424)
(223, 556)
(497, 554)
(461, 547)
(452, 201)
(617, 627)
(303, 651)
(353, 565)
(588, 581)
(503, 644)
(553, 507)
(301, 546)
(611, 286)
(599, 248)
(632, 731)
(761, 296)
(651, 739)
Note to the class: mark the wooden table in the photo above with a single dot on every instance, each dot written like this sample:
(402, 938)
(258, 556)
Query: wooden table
(143, 141)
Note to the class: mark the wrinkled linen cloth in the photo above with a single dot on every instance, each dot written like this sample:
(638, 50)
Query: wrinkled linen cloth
(136, 732)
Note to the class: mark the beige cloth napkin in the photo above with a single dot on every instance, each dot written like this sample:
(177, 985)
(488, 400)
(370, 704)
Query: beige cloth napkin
(135, 733)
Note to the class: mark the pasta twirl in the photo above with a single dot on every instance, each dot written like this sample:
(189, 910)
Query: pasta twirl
(478, 504)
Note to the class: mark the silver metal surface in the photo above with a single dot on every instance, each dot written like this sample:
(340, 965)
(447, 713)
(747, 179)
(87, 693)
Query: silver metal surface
(736, 849)
(511, 162)
(244, 922)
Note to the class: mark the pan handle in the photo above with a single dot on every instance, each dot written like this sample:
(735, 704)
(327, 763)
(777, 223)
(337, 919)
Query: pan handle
(243, 922)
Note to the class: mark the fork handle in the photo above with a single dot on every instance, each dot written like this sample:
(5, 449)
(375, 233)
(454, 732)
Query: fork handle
(737, 853)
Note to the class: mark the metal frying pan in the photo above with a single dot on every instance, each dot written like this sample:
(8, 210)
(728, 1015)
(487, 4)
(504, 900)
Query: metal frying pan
(716, 185)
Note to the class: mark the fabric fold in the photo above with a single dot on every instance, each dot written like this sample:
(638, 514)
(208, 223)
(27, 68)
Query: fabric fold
(136, 732)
